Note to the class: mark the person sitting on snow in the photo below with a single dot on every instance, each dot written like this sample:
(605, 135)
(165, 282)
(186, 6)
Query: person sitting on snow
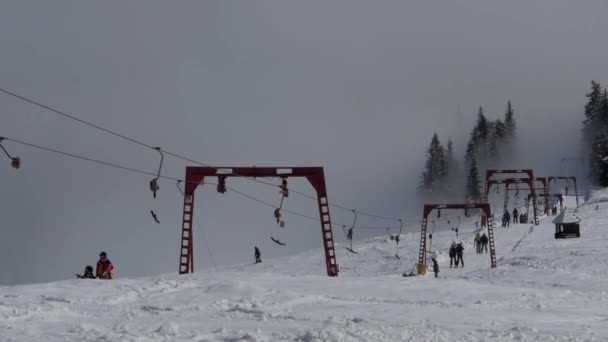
(105, 269)
(88, 273)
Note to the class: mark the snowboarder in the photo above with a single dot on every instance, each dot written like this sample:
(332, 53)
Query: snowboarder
(105, 269)
(453, 254)
(477, 243)
(257, 254)
(88, 273)
(515, 216)
(484, 243)
(435, 266)
(459, 251)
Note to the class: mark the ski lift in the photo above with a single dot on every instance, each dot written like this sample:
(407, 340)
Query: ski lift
(154, 216)
(349, 233)
(431, 238)
(455, 229)
(277, 212)
(397, 240)
(154, 182)
(221, 184)
(15, 161)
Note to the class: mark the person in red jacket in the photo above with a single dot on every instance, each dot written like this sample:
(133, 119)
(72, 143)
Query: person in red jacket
(105, 270)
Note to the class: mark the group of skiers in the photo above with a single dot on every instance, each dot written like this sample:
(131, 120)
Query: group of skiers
(105, 269)
(457, 250)
(517, 218)
(481, 243)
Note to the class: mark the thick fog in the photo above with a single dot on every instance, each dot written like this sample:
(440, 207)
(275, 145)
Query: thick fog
(357, 87)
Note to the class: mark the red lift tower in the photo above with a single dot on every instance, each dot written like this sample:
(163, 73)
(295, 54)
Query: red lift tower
(529, 181)
(568, 179)
(195, 175)
(423, 236)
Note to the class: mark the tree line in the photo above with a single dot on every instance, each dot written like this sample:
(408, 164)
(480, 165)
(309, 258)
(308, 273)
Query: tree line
(595, 134)
(490, 143)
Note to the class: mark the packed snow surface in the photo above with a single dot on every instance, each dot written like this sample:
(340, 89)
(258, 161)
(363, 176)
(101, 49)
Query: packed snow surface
(542, 290)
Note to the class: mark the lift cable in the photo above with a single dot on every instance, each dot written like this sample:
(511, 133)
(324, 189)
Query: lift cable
(139, 142)
(130, 169)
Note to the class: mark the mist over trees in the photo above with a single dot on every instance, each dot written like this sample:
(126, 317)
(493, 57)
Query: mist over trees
(490, 144)
(595, 133)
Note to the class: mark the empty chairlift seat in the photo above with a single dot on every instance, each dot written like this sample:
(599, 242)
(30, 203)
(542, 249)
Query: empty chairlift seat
(567, 225)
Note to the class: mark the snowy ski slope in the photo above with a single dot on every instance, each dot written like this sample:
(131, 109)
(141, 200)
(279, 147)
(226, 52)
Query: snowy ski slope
(543, 290)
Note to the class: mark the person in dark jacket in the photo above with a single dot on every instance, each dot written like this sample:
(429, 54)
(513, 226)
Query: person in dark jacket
(515, 216)
(484, 243)
(105, 269)
(88, 273)
(453, 254)
(435, 266)
(257, 254)
(459, 252)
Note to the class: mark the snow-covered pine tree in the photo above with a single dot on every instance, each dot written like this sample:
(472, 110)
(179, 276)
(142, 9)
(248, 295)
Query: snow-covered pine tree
(510, 123)
(433, 182)
(595, 128)
(472, 188)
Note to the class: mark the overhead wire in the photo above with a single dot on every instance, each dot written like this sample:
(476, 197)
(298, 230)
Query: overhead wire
(130, 169)
(173, 154)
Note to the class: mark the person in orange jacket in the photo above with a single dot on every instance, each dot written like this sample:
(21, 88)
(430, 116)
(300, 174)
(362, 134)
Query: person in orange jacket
(105, 270)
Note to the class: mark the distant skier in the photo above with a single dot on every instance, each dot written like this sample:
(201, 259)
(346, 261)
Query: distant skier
(484, 243)
(515, 216)
(453, 254)
(105, 269)
(88, 273)
(257, 254)
(566, 191)
(477, 242)
(435, 266)
(459, 252)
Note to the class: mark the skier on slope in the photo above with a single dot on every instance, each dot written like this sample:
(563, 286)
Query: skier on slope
(453, 253)
(459, 252)
(477, 243)
(435, 266)
(105, 269)
(257, 254)
(515, 216)
(88, 273)
(484, 243)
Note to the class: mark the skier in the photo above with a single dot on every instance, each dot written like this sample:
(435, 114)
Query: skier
(257, 254)
(508, 219)
(477, 243)
(453, 254)
(505, 218)
(88, 273)
(105, 269)
(435, 266)
(459, 251)
(484, 243)
(515, 216)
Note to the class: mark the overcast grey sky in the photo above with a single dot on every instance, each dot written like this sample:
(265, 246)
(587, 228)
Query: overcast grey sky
(358, 87)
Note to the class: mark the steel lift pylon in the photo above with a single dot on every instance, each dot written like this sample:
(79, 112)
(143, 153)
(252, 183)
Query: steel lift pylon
(195, 175)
